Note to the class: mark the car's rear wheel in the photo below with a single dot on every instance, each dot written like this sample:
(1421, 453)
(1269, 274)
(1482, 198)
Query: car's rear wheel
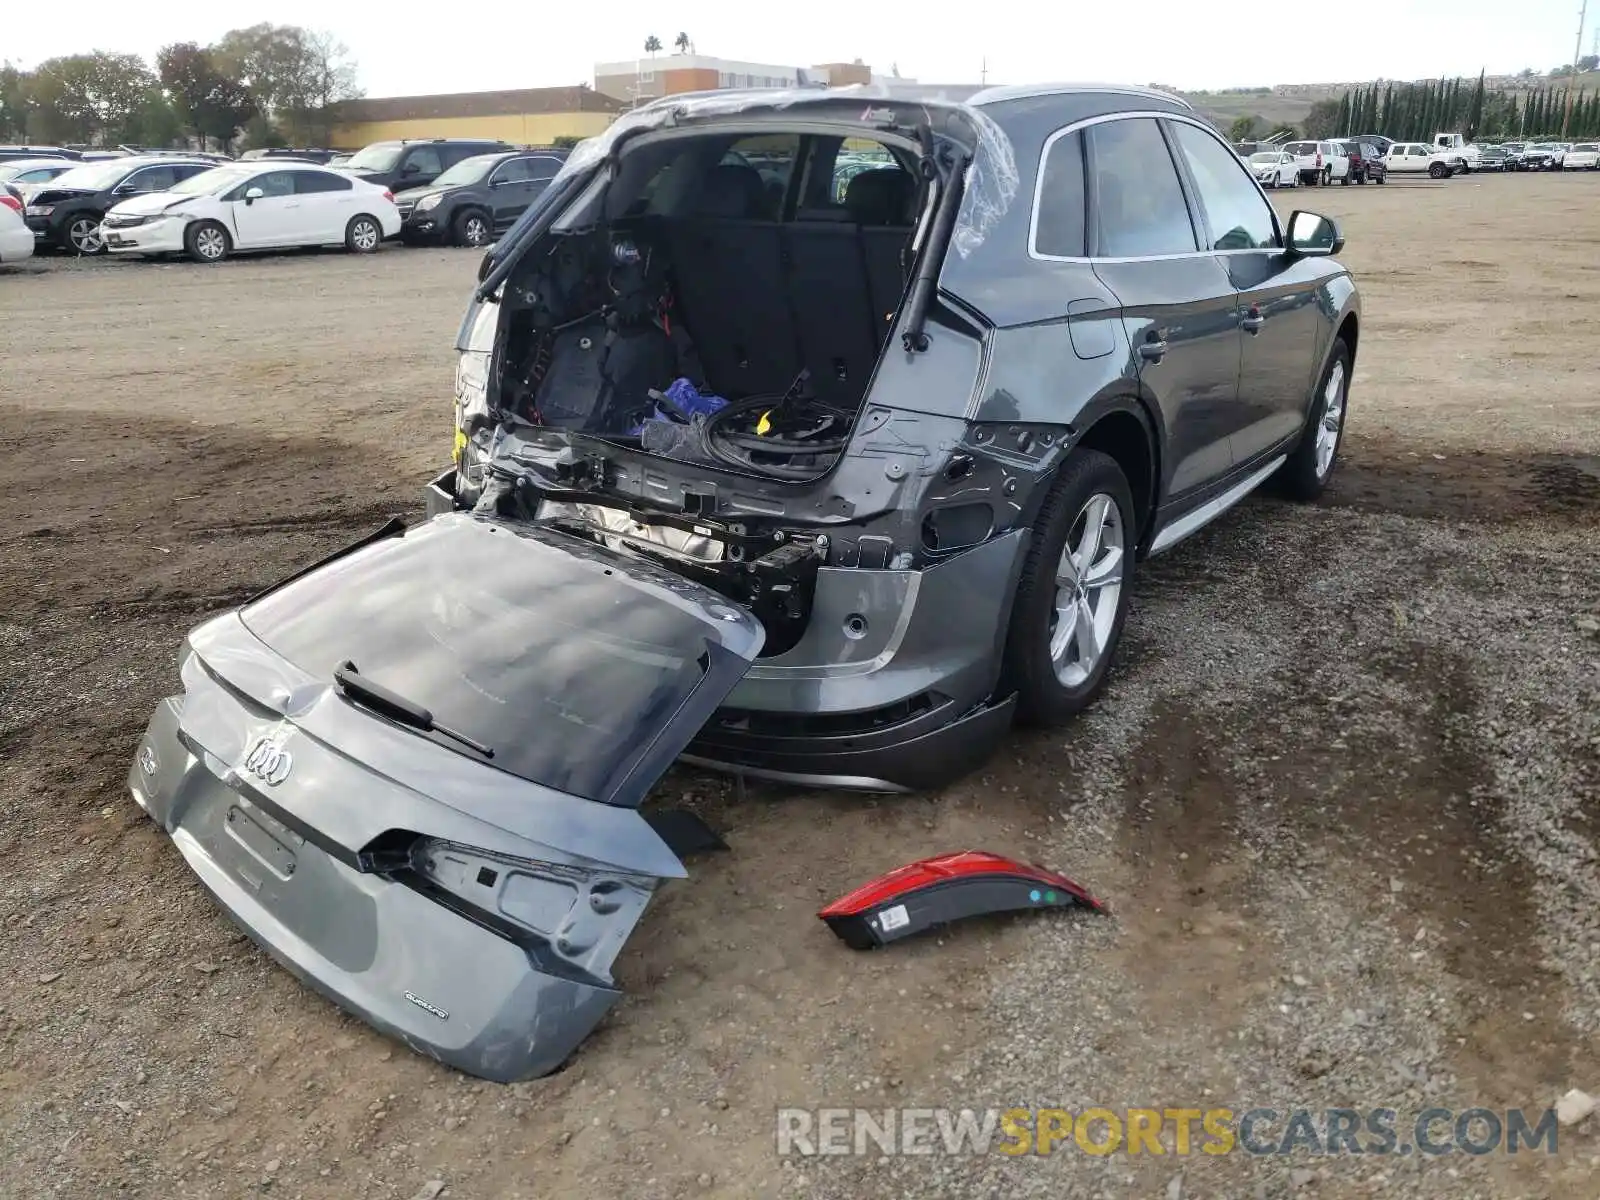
(82, 235)
(471, 228)
(362, 235)
(1327, 176)
(1073, 595)
(207, 242)
(1380, 178)
(1307, 470)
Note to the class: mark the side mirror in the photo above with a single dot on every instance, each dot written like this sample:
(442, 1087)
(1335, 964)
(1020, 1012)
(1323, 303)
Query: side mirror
(124, 189)
(251, 195)
(1313, 235)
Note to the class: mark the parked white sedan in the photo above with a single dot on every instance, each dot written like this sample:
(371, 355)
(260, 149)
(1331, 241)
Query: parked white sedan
(1585, 156)
(254, 206)
(16, 239)
(1275, 168)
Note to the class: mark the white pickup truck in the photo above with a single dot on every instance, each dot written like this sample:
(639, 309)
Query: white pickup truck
(1462, 154)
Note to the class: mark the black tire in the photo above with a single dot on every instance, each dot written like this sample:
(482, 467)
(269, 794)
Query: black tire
(1361, 178)
(1043, 698)
(1299, 477)
(1381, 178)
(81, 235)
(207, 242)
(472, 227)
(363, 235)
(1345, 180)
(1438, 171)
(1327, 176)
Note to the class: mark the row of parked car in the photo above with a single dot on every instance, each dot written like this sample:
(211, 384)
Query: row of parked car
(458, 190)
(1372, 158)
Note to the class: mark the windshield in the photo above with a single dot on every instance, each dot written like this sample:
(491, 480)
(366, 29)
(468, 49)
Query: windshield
(1585, 148)
(468, 170)
(1264, 156)
(216, 180)
(531, 643)
(377, 157)
(94, 176)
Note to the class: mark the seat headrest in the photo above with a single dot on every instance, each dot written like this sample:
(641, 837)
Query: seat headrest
(881, 196)
(732, 190)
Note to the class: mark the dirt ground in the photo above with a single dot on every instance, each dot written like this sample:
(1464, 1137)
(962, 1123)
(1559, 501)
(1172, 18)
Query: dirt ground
(1343, 794)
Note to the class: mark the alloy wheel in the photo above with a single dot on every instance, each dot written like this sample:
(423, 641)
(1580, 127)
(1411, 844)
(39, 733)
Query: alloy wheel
(364, 235)
(477, 231)
(1088, 588)
(1332, 421)
(84, 234)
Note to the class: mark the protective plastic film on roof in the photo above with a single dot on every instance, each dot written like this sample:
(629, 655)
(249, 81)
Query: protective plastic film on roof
(992, 180)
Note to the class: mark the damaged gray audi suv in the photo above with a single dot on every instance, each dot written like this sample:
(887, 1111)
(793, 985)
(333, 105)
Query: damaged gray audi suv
(811, 435)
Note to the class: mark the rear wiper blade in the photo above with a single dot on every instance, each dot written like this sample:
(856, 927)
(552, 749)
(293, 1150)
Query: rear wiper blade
(396, 707)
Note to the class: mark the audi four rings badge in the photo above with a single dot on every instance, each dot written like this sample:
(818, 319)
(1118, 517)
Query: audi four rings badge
(268, 761)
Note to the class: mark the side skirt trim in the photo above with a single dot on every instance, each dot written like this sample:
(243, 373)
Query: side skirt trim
(1190, 522)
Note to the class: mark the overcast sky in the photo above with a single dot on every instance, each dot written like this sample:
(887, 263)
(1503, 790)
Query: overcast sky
(1185, 43)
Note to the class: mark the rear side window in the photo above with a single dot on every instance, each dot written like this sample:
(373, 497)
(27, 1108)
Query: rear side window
(1138, 202)
(1058, 220)
(1236, 213)
(544, 168)
(307, 183)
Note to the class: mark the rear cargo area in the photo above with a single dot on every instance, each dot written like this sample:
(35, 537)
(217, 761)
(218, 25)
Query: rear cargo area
(729, 304)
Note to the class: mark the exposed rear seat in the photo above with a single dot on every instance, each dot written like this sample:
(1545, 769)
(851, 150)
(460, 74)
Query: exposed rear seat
(763, 298)
(728, 264)
(882, 203)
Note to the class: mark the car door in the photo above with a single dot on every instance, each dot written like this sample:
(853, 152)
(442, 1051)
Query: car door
(1278, 317)
(1178, 305)
(510, 189)
(328, 201)
(273, 218)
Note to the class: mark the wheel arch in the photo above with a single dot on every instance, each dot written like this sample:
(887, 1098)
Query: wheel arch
(1123, 428)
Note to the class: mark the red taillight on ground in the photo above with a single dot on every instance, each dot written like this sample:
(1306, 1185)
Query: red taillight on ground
(935, 891)
(11, 202)
(388, 195)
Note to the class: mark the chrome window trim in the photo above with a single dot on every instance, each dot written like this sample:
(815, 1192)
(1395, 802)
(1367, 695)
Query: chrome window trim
(1102, 119)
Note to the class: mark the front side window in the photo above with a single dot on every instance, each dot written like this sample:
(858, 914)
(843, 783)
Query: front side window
(514, 171)
(425, 160)
(1238, 216)
(1059, 218)
(1138, 202)
(151, 179)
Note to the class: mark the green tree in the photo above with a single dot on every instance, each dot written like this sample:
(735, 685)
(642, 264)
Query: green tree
(1243, 128)
(652, 45)
(681, 43)
(208, 102)
(1475, 109)
(1320, 121)
(89, 97)
(1347, 104)
(296, 76)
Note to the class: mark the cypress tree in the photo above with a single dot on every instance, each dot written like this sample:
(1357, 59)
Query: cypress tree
(1475, 109)
(1388, 109)
(1345, 104)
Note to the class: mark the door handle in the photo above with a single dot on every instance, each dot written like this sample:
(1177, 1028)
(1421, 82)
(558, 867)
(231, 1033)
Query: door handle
(1153, 349)
(1253, 320)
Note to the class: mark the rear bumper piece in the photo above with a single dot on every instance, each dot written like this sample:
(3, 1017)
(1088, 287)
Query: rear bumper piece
(413, 969)
(921, 754)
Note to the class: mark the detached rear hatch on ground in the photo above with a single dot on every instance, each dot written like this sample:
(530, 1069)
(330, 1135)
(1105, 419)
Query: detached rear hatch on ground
(412, 774)
(576, 668)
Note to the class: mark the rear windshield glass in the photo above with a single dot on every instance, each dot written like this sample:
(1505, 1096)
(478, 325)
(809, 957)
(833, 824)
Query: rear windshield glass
(551, 658)
(1585, 148)
(1301, 147)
